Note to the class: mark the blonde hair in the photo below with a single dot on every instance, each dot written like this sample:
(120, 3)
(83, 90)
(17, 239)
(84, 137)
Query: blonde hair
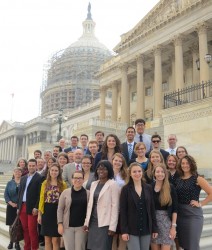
(165, 192)
(123, 170)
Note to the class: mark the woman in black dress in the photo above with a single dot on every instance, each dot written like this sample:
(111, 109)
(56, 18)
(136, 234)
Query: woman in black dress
(11, 198)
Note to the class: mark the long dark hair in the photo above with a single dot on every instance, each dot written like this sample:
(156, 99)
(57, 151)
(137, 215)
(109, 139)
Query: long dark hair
(117, 148)
(192, 163)
(108, 166)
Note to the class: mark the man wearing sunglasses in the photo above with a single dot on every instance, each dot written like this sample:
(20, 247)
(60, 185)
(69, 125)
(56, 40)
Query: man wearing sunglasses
(156, 143)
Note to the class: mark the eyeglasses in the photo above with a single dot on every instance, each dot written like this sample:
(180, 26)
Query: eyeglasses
(139, 125)
(86, 163)
(183, 151)
(78, 178)
(156, 141)
(140, 149)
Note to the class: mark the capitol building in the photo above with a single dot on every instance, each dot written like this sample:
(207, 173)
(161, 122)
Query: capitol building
(161, 71)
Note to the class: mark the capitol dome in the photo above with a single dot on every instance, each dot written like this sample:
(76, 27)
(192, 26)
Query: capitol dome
(70, 78)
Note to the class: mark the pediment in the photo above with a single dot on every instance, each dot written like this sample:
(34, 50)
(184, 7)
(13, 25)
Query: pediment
(161, 14)
(5, 126)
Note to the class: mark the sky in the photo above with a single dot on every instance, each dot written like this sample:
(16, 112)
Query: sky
(33, 30)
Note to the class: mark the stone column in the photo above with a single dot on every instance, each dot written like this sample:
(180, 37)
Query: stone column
(26, 147)
(179, 80)
(114, 100)
(7, 149)
(14, 148)
(140, 88)
(102, 106)
(1, 151)
(10, 148)
(125, 102)
(157, 82)
(23, 146)
(203, 50)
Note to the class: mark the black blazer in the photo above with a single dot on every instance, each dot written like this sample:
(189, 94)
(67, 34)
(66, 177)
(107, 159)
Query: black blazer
(124, 150)
(33, 192)
(128, 209)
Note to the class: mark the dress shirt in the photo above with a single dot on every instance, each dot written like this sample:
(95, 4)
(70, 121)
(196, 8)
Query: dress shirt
(172, 151)
(29, 178)
(146, 140)
(79, 166)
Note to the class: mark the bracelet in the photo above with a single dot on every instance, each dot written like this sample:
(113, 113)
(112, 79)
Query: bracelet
(174, 224)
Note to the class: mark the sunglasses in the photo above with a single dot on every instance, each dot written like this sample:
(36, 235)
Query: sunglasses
(156, 141)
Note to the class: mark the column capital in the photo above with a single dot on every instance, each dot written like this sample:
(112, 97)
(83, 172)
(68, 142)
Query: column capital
(114, 83)
(157, 50)
(124, 67)
(139, 58)
(103, 88)
(177, 40)
(201, 28)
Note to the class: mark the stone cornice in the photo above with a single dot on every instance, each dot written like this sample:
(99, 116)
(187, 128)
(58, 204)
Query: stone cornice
(164, 12)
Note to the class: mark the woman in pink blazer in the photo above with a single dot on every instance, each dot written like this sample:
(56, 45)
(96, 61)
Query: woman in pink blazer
(103, 208)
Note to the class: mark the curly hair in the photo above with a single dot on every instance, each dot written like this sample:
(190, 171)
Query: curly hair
(117, 148)
(165, 192)
(123, 170)
(192, 163)
(59, 178)
(108, 166)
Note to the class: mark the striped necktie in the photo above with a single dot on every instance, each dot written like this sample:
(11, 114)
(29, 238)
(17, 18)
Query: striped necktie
(130, 150)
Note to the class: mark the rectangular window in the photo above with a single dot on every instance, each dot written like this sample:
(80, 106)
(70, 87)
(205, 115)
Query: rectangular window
(148, 91)
(165, 86)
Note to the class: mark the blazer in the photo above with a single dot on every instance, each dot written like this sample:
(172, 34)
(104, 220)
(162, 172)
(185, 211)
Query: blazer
(66, 150)
(97, 159)
(128, 209)
(63, 210)
(107, 205)
(33, 192)
(68, 170)
(124, 149)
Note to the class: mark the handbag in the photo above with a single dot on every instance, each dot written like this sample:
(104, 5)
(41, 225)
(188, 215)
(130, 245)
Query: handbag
(16, 230)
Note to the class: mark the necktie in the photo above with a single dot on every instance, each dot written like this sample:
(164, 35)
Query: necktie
(141, 138)
(172, 151)
(77, 167)
(130, 150)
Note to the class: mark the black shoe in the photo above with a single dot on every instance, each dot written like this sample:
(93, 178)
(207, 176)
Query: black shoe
(10, 246)
(42, 244)
(17, 246)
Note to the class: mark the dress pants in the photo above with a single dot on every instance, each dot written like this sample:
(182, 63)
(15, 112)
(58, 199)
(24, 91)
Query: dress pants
(75, 238)
(29, 224)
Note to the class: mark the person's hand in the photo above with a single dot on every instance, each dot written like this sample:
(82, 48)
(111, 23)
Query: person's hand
(39, 219)
(111, 233)
(125, 237)
(60, 229)
(194, 203)
(172, 233)
(18, 212)
(85, 229)
(154, 235)
(34, 211)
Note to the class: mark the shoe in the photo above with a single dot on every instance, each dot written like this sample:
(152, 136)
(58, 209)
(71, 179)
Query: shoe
(17, 246)
(10, 246)
(42, 244)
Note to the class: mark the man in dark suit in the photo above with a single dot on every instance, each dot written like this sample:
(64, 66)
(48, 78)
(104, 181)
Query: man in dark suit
(74, 144)
(156, 142)
(128, 146)
(28, 201)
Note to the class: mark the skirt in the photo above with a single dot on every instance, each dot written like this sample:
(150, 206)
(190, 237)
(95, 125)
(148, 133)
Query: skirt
(11, 214)
(189, 226)
(98, 238)
(164, 226)
(49, 220)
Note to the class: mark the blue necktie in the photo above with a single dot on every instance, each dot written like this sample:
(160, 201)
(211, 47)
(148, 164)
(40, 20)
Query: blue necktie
(141, 138)
(130, 150)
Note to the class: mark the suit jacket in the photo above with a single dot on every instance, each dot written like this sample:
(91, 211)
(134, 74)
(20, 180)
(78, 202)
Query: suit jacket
(33, 192)
(68, 170)
(128, 209)
(66, 150)
(124, 149)
(107, 205)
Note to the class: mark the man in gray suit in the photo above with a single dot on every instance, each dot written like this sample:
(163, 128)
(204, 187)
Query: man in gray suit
(70, 168)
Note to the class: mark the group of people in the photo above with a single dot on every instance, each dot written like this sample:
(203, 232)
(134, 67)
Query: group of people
(107, 195)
